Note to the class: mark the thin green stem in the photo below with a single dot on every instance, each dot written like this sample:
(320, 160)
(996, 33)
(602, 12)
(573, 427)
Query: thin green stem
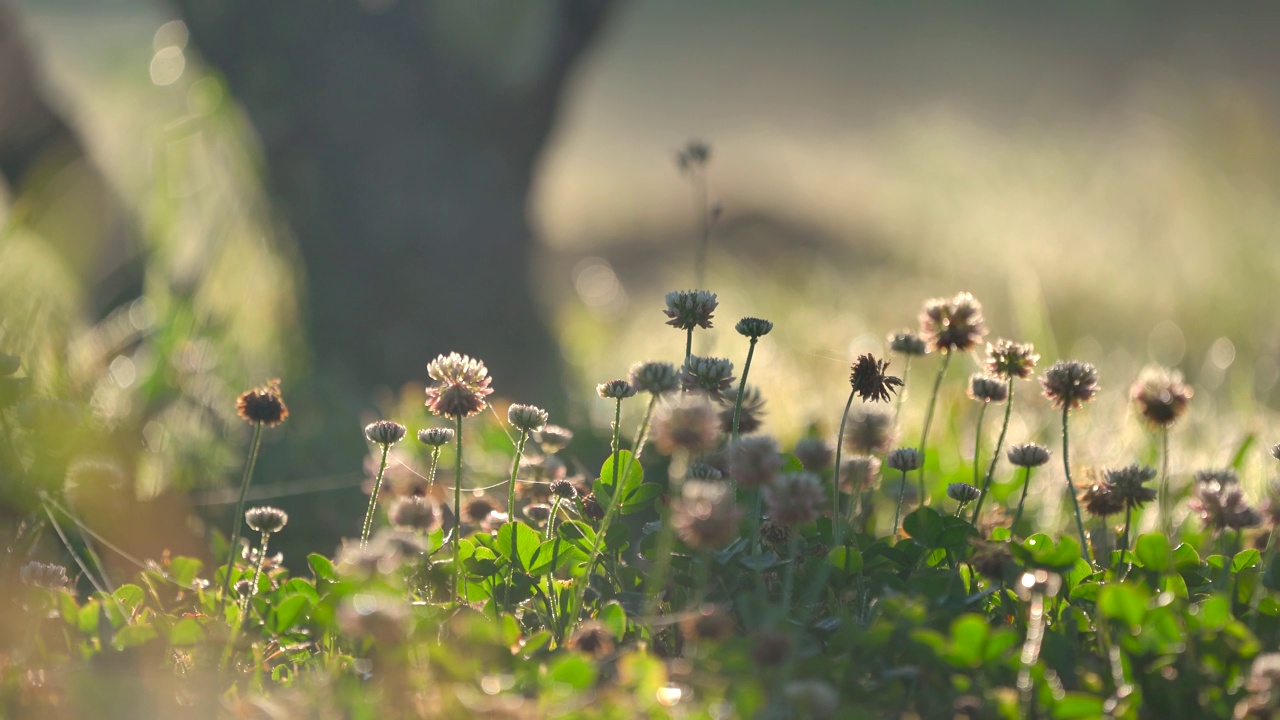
(511, 511)
(1026, 483)
(742, 388)
(257, 574)
(688, 346)
(435, 463)
(642, 433)
(977, 443)
(995, 456)
(897, 514)
(66, 542)
(457, 512)
(1166, 512)
(836, 528)
(254, 445)
(373, 497)
(902, 392)
(1124, 537)
(928, 421)
(615, 501)
(1071, 487)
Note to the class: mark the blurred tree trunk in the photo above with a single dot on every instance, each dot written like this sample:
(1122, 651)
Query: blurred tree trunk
(400, 140)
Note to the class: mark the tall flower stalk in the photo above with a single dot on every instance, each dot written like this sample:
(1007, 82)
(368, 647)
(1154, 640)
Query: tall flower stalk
(928, 420)
(261, 407)
(1070, 384)
(1007, 360)
(462, 384)
(1026, 456)
(908, 344)
(753, 329)
(1161, 398)
(383, 433)
(869, 379)
(266, 520)
(526, 419)
(904, 460)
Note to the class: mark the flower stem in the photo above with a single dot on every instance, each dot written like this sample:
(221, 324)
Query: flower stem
(511, 511)
(1124, 537)
(836, 528)
(742, 388)
(977, 443)
(1026, 483)
(897, 407)
(457, 512)
(615, 501)
(435, 463)
(995, 456)
(1166, 513)
(1071, 487)
(642, 433)
(238, 518)
(928, 420)
(897, 514)
(257, 574)
(688, 346)
(373, 498)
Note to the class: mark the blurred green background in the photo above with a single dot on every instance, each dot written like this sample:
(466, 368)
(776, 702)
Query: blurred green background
(245, 190)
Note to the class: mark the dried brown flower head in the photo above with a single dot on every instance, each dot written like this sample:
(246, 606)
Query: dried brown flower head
(909, 343)
(1223, 507)
(870, 381)
(1100, 499)
(794, 498)
(954, 324)
(1070, 383)
(754, 461)
(592, 638)
(687, 423)
(770, 648)
(564, 490)
(462, 383)
(870, 431)
(1128, 484)
(615, 390)
(415, 511)
(263, 405)
(1160, 396)
(988, 389)
(706, 516)
(477, 509)
(858, 473)
(814, 453)
(709, 622)
(776, 536)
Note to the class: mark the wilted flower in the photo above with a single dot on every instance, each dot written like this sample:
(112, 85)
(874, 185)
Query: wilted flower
(592, 638)
(564, 490)
(591, 507)
(1101, 500)
(870, 431)
(1222, 476)
(615, 390)
(963, 493)
(478, 509)
(713, 376)
(688, 309)
(1222, 507)
(954, 324)
(1008, 359)
(462, 384)
(1127, 484)
(985, 388)
(384, 432)
(858, 473)
(753, 327)
(814, 453)
(794, 498)
(908, 342)
(904, 459)
(415, 512)
(775, 535)
(266, 519)
(435, 437)
(1028, 455)
(528, 418)
(1070, 383)
(749, 415)
(263, 405)
(656, 378)
(706, 515)
(1161, 396)
(554, 438)
(754, 461)
(45, 575)
(688, 423)
(870, 381)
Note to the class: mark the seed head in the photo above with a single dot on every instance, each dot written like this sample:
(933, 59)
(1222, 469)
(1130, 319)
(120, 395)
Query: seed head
(711, 375)
(656, 378)
(263, 405)
(858, 473)
(1028, 455)
(564, 490)
(870, 431)
(751, 414)
(706, 516)
(954, 324)
(988, 389)
(904, 459)
(384, 432)
(754, 461)
(870, 381)
(909, 343)
(753, 327)
(528, 418)
(963, 493)
(814, 453)
(794, 498)
(688, 309)
(1070, 383)
(462, 383)
(1160, 396)
(266, 519)
(415, 512)
(435, 437)
(1008, 359)
(690, 423)
(45, 575)
(1127, 483)
(554, 438)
